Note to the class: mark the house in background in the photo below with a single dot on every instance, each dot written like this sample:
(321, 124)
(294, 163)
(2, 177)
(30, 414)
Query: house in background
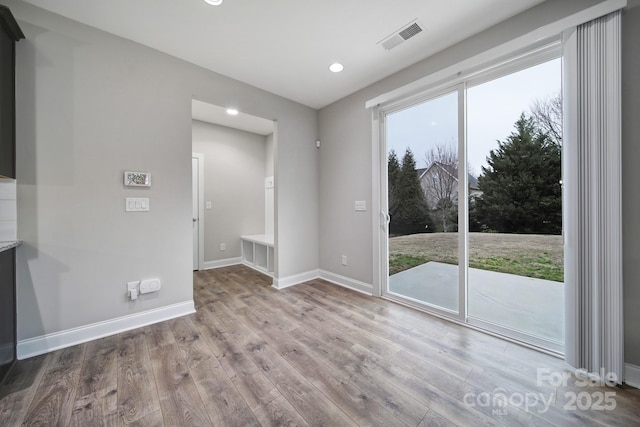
(440, 181)
(98, 94)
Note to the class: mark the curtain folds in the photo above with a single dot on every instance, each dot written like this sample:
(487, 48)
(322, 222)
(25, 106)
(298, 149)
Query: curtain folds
(592, 188)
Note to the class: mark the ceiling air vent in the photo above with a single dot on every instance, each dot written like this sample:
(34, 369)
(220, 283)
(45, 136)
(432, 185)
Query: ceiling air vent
(403, 34)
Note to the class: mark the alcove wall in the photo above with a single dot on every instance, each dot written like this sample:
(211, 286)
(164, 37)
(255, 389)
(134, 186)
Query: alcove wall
(235, 164)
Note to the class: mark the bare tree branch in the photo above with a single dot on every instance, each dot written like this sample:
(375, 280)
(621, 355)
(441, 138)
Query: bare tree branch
(440, 181)
(547, 115)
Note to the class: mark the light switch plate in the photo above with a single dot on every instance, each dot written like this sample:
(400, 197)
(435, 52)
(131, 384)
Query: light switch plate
(136, 204)
(361, 205)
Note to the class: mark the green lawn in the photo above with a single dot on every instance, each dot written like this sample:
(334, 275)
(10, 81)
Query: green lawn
(530, 255)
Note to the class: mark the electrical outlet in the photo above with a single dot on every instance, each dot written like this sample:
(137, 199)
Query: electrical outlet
(344, 260)
(150, 285)
(223, 246)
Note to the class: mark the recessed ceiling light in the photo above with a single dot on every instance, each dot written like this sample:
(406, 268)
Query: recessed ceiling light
(336, 67)
(213, 2)
(232, 111)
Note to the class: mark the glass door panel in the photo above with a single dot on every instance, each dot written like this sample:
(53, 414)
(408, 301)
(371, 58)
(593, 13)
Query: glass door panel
(422, 154)
(514, 136)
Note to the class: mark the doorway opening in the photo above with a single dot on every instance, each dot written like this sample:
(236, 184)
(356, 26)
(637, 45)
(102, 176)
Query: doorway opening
(235, 197)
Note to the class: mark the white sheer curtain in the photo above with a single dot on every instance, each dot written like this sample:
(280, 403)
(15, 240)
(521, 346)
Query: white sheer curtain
(592, 191)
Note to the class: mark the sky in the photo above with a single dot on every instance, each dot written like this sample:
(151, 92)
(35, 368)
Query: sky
(492, 110)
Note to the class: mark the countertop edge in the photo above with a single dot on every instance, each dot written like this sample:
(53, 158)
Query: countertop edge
(6, 245)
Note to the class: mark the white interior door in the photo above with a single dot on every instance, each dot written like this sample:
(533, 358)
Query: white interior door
(195, 172)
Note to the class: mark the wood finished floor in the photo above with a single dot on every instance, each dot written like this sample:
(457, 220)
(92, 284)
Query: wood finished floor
(314, 354)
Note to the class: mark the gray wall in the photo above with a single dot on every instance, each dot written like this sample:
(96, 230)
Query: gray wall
(269, 155)
(92, 105)
(234, 172)
(630, 179)
(346, 152)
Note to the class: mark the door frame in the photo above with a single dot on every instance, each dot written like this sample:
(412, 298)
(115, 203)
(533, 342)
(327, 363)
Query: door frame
(546, 50)
(200, 220)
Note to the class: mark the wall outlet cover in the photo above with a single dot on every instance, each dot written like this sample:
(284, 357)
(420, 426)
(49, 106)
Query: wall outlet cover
(150, 285)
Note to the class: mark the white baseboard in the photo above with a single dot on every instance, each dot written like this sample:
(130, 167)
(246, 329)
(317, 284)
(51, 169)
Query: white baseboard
(208, 265)
(256, 268)
(632, 375)
(296, 279)
(50, 342)
(346, 282)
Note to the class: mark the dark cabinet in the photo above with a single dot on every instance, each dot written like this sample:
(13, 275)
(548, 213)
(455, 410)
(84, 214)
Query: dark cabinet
(9, 34)
(7, 311)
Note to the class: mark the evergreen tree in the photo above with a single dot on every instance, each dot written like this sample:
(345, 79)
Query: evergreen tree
(473, 221)
(521, 186)
(411, 211)
(393, 172)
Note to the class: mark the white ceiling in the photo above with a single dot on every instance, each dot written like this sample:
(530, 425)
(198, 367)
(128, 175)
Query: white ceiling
(286, 46)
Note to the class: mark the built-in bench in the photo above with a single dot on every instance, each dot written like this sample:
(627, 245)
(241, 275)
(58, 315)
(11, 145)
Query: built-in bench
(258, 253)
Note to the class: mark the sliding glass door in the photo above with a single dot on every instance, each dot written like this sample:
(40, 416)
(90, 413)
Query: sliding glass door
(422, 179)
(474, 195)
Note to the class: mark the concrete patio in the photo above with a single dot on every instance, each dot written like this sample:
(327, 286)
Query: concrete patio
(531, 306)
